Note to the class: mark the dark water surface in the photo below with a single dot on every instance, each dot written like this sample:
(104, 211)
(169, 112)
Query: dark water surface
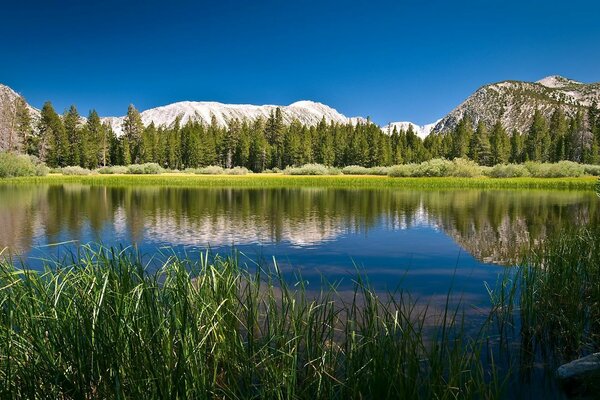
(423, 241)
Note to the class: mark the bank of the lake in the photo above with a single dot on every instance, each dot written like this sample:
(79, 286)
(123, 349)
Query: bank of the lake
(332, 181)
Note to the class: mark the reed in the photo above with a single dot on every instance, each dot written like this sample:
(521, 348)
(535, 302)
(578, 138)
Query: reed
(104, 325)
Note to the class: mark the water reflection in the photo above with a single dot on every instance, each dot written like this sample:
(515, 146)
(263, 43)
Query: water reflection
(494, 226)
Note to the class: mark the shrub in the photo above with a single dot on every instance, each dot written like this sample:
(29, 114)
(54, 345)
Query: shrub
(311, 169)
(560, 169)
(236, 171)
(116, 169)
(210, 170)
(12, 165)
(145, 169)
(509, 171)
(402, 171)
(465, 168)
(355, 170)
(74, 170)
(434, 167)
(382, 171)
(591, 169)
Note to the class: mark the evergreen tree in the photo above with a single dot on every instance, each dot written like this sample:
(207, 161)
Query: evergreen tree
(537, 144)
(97, 144)
(54, 145)
(480, 151)
(27, 143)
(500, 145)
(274, 132)
(133, 129)
(73, 132)
(516, 148)
(461, 137)
(558, 136)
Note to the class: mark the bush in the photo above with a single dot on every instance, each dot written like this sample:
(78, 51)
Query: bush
(435, 167)
(402, 171)
(236, 171)
(589, 169)
(210, 170)
(562, 169)
(145, 169)
(509, 171)
(311, 169)
(116, 169)
(355, 170)
(382, 171)
(74, 170)
(463, 168)
(12, 165)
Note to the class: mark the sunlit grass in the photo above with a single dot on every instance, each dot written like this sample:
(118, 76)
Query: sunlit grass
(337, 181)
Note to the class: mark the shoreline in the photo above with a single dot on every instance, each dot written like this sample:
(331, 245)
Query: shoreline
(325, 181)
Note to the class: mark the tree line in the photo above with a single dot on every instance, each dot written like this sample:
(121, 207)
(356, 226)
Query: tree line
(270, 143)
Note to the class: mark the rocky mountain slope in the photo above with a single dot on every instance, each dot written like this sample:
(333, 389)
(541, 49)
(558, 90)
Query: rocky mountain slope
(514, 102)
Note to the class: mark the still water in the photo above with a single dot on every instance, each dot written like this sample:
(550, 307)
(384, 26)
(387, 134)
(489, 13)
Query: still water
(425, 241)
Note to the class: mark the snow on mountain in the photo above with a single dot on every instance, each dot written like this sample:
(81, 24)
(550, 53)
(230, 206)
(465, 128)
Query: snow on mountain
(421, 130)
(306, 112)
(557, 81)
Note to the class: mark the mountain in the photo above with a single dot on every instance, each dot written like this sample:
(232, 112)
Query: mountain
(421, 130)
(514, 102)
(7, 100)
(307, 112)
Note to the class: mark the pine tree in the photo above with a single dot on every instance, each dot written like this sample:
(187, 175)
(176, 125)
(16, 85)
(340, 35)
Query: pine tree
(26, 140)
(133, 129)
(480, 151)
(73, 131)
(537, 144)
(500, 145)
(54, 144)
(97, 141)
(558, 136)
(274, 131)
(461, 137)
(516, 148)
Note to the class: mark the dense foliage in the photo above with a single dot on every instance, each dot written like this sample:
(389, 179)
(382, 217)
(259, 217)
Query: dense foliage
(12, 165)
(270, 144)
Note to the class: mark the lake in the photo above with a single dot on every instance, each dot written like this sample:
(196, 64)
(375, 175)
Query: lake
(424, 241)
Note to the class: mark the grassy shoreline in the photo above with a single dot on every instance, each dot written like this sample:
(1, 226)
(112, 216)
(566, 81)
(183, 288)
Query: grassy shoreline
(332, 181)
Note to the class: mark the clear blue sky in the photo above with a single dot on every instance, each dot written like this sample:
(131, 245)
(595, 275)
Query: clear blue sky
(391, 60)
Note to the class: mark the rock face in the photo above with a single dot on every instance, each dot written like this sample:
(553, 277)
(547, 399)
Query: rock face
(582, 368)
(514, 102)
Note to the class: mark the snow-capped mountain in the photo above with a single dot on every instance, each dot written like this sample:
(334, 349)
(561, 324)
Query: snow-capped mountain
(515, 102)
(307, 112)
(421, 130)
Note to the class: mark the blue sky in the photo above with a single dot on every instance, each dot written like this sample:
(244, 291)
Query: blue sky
(390, 60)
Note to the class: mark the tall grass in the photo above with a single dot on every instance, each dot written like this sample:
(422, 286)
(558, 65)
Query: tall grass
(548, 309)
(103, 326)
